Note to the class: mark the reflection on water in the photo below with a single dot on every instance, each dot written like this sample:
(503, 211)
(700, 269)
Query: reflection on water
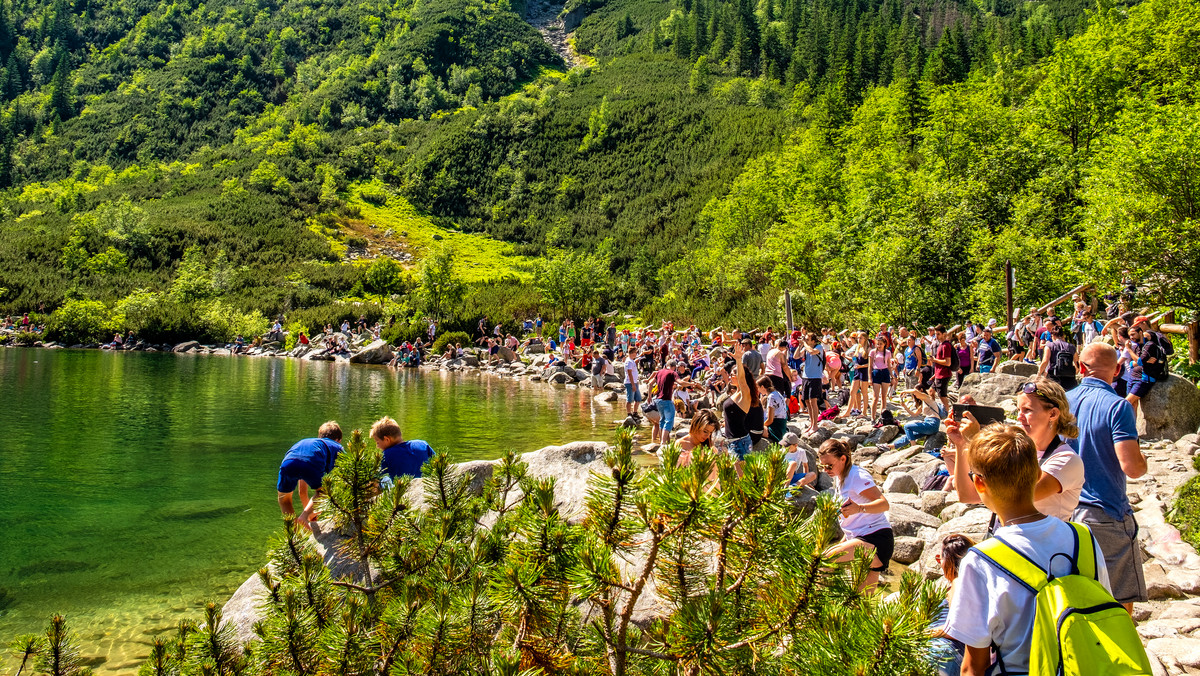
(138, 486)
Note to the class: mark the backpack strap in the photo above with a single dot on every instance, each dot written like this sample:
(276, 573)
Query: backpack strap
(1016, 565)
(1085, 551)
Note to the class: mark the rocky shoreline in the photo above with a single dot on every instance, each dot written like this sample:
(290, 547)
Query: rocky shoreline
(1169, 623)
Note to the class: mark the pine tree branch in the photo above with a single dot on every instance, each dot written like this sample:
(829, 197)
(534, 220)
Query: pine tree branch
(651, 653)
(370, 591)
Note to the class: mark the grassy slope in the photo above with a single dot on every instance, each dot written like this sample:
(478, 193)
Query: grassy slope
(480, 258)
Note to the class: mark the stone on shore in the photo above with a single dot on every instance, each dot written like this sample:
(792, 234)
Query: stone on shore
(908, 549)
(1170, 411)
(187, 346)
(900, 482)
(378, 352)
(991, 390)
(1017, 368)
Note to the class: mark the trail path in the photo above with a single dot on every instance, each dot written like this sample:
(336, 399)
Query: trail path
(543, 15)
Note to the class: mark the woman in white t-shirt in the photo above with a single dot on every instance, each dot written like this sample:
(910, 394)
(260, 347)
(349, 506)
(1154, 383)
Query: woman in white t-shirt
(775, 410)
(1044, 414)
(864, 510)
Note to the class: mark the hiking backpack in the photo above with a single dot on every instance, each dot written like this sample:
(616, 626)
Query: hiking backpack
(1064, 361)
(1077, 628)
(954, 365)
(1163, 342)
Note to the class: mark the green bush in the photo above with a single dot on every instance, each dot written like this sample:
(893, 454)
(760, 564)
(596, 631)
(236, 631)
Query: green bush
(451, 337)
(82, 322)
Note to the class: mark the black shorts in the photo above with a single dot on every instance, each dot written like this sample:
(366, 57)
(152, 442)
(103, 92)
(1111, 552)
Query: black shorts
(884, 542)
(941, 386)
(782, 386)
(811, 389)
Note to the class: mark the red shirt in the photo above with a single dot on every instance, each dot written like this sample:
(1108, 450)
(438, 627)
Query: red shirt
(943, 352)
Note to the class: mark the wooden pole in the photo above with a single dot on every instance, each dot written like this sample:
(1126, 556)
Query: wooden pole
(1008, 294)
(1065, 297)
(1193, 342)
(787, 304)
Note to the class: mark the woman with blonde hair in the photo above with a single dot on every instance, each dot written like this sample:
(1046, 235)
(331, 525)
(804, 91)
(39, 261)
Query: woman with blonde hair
(1043, 413)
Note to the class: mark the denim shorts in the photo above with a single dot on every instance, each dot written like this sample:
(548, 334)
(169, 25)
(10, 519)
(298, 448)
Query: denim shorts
(740, 446)
(881, 376)
(632, 393)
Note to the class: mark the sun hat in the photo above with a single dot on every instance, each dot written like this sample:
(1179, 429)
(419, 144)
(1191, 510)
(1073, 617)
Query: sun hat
(790, 439)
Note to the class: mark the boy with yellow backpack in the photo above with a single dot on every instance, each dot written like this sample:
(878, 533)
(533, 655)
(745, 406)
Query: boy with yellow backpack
(1035, 598)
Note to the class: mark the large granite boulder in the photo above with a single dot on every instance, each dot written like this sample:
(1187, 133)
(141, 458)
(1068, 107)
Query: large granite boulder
(991, 390)
(1170, 411)
(1017, 368)
(506, 354)
(187, 346)
(378, 352)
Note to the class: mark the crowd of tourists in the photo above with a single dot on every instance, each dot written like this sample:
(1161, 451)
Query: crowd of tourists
(22, 324)
(1055, 482)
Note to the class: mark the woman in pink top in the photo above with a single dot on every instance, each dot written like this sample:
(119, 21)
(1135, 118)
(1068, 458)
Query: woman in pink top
(880, 359)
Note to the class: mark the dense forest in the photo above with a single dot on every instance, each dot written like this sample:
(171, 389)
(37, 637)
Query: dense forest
(188, 169)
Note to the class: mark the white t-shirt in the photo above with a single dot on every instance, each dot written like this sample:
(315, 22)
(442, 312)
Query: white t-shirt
(631, 372)
(851, 490)
(776, 401)
(1066, 466)
(800, 457)
(989, 606)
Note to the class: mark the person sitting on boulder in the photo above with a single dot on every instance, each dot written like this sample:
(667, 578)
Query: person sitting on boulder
(797, 459)
(928, 425)
(400, 458)
(305, 464)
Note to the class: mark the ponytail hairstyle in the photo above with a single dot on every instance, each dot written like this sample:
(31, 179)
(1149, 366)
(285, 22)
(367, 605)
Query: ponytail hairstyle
(838, 449)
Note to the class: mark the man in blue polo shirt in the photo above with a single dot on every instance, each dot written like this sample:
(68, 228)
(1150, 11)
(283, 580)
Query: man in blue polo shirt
(1108, 444)
(400, 458)
(305, 465)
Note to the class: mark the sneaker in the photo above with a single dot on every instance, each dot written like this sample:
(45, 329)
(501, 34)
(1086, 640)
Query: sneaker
(885, 447)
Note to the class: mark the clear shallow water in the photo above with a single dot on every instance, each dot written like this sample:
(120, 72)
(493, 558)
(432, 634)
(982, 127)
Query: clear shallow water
(138, 486)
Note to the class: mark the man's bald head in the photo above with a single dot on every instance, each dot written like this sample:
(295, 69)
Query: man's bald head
(1099, 360)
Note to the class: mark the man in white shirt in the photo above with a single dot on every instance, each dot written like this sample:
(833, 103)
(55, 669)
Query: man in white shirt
(633, 388)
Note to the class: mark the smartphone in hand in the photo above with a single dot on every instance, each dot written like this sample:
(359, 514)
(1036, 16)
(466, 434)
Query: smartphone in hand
(986, 415)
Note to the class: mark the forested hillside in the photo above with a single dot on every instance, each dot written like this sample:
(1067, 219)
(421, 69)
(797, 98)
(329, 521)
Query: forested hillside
(187, 169)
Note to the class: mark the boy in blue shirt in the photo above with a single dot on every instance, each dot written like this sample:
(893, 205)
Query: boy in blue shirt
(400, 458)
(305, 465)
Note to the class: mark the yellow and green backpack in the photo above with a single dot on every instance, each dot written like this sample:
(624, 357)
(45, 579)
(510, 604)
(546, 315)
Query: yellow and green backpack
(1077, 628)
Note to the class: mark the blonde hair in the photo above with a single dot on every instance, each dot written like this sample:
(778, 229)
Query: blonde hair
(385, 427)
(1006, 458)
(1053, 394)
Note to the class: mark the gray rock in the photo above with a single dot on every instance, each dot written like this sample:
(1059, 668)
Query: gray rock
(882, 435)
(535, 348)
(1017, 368)
(900, 482)
(605, 398)
(242, 609)
(581, 375)
(506, 354)
(378, 352)
(973, 524)
(186, 346)
(1158, 585)
(935, 441)
(1170, 411)
(908, 549)
(1176, 654)
(470, 360)
(560, 378)
(933, 502)
(1176, 610)
(906, 520)
(993, 389)
(924, 470)
(886, 461)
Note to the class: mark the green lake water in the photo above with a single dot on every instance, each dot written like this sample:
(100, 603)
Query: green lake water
(138, 486)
